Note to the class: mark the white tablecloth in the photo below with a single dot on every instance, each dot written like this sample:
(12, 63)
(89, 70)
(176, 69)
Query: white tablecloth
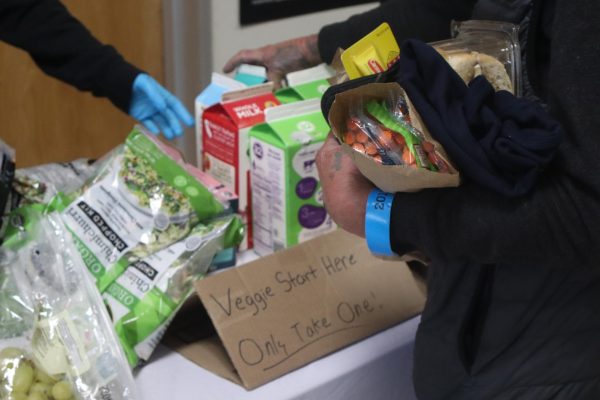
(376, 368)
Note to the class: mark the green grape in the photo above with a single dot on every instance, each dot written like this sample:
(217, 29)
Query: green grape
(62, 391)
(43, 377)
(11, 353)
(41, 387)
(17, 396)
(9, 360)
(37, 396)
(5, 369)
(23, 377)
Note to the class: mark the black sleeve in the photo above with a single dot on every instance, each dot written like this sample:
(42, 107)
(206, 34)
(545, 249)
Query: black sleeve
(558, 224)
(428, 20)
(63, 48)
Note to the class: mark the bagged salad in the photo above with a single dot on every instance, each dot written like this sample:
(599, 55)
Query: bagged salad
(145, 298)
(56, 341)
(141, 198)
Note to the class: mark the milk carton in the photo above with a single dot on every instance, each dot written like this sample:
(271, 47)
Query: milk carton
(225, 127)
(287, 199)
(305, 84)
(219, 84)
(304, 91)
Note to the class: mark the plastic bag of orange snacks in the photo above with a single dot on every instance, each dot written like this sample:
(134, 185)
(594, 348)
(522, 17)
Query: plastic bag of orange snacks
(382, 130)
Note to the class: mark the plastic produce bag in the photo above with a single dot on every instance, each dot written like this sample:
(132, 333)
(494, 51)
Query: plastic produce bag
(382, 130)
(365, 135)
(145, 298)
(61, 344)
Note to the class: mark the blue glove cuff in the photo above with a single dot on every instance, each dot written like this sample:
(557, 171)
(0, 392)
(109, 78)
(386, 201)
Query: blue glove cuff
(377, 222)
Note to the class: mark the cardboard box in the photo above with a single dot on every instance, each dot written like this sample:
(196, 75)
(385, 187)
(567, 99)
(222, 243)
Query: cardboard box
(225, 127)
(283, 311)
(286, 194)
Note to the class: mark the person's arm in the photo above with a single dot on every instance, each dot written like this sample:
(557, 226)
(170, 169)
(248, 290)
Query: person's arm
(279, 58)
(63, 48)
(425, 20)
(556, 225)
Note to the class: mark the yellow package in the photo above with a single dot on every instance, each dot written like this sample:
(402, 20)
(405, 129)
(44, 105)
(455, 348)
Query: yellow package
(372, 54)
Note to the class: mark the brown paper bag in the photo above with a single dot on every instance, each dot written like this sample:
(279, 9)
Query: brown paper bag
(390, 178)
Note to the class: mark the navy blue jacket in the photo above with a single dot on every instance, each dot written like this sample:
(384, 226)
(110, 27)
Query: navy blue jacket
(63, 48)
(513, 308)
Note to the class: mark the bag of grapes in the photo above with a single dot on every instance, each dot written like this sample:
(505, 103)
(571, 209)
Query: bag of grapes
(56, 340)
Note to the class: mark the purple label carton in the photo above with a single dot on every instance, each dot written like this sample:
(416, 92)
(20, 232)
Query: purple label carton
(287, 200)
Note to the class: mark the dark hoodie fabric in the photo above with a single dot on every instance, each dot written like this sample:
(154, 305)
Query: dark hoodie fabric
(63, 48)
(426, 20)
(514, 289)
(513, 308)
(495, 139)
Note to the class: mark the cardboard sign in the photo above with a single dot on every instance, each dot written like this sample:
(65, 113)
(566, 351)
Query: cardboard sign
(280, 312)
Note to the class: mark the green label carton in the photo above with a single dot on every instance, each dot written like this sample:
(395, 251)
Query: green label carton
(305, 84)
(304, 91)
(286, 195)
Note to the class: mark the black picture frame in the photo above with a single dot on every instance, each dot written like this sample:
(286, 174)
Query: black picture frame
(256, 11)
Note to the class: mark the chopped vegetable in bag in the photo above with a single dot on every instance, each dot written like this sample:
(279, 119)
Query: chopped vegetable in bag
(142, 199)
(145, 298)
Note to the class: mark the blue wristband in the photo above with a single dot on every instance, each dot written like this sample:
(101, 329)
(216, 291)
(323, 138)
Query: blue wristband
(377, 222)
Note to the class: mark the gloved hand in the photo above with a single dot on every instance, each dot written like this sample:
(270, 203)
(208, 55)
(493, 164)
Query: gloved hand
(280, 58)
(157, 108)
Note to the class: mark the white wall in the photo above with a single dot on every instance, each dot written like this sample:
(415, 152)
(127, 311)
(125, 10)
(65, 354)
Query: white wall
(228, 36)
(187, 55)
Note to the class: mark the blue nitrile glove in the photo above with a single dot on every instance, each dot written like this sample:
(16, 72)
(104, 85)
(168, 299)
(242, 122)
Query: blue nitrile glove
(157, 108)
